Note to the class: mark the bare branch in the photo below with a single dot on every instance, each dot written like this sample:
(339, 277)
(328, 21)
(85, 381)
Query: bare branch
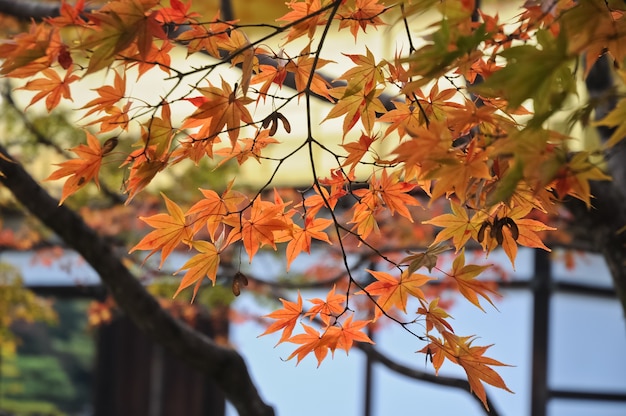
(420, 375)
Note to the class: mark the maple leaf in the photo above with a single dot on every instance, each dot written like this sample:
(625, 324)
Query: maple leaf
(109, 95)
(26, 54)
(208, 37)
(145, 167)
(458, 173)
(301, 237)
(170, 230)
(81, 170)
(304, 13)
(351, 331)
(356, 150)
(395, 193)
(457, 226)
(406, 118)
(465, 278)
(426, 259)
(326, 309)
(252, 147)
(366, 74)
(222, 108)
(286, 319)
(212, 209)
(115, 118)
(594, 27)
(268, 75)
(313, 341)
(356, 104)
(259, 227)
(477, 367)
(435, 316)
(69, 14)
(52, 87)
(391, 291)
(512, 228)
(302, 69)
(316, 202)
(365, 13)
(574, 178)
(178, 13)
(206, 263)
(121, 26)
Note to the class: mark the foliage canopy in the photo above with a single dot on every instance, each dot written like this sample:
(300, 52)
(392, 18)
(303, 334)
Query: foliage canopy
(455, 119)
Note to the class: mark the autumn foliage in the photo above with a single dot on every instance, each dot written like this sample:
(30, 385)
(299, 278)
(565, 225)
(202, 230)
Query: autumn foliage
(454, 118)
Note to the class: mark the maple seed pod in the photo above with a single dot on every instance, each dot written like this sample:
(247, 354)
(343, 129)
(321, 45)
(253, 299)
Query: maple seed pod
(286, 124)
(499, 235)
(513, 227)
(239, 280)
(481, 231)
(273, 128)
(267, 120)
(494, 227)
(109, 145)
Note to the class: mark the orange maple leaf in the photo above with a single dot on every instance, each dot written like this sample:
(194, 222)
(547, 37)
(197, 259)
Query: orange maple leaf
(286, 319)
(252, 148)
(222, 108)
(435, 316)
(178, 13)
(170, 230)
(301, 237)
(326, 309)
(469, 286)
(366, 74)
(352, 331)
(365, 13)
(81, 170)
(269, 75)
(356, 150)
(259, 227)
(460, 351)
(206, 263)
(356, 104)
(52, 87)
(122, 26)
(457, 226)
(391, 291)
(313, 341)
(458, 173)
(299, 12)
(395, 193)
(512, 228)
(406, 118)
(145, 166)
(302, 68)
(109, 95)
(214, 208)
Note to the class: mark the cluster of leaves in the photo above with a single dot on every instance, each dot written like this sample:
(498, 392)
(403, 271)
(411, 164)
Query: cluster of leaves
(17, 303)
(466, 126)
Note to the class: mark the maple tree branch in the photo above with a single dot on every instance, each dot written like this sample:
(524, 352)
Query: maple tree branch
(420, 375)
(224, 365)
(27, 10)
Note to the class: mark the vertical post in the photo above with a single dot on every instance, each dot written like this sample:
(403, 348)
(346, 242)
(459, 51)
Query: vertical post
(368, 388)
(541, 286)
(155, 389)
